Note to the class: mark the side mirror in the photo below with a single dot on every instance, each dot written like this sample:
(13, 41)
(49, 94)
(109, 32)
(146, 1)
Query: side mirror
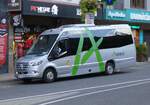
(52, 56)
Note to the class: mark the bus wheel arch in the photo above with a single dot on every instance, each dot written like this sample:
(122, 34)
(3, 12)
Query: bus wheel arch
(110, 67)
(49, 75)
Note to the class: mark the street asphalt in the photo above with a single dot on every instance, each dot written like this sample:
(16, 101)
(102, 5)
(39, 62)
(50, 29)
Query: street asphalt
(129, 87)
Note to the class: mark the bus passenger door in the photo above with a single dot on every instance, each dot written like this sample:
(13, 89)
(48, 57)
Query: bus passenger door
(61, 58)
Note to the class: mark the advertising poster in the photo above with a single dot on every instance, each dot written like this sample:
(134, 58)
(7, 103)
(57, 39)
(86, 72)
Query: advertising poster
(3, 37)
(3, 47)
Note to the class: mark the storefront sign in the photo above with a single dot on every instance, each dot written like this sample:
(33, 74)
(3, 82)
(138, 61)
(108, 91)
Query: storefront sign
(135, 16)
(128, 15)
(14, 5)
(41, 8)
(48, 9)
(116, 14)
(142, 16)
(51, 10)
(3, 44)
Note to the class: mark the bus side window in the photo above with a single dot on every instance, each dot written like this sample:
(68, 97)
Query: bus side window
(73, 46)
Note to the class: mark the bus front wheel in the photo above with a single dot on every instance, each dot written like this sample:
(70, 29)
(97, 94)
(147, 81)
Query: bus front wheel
(49, 76)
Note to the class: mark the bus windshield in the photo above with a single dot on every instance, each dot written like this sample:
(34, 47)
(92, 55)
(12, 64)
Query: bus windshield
(42, 45)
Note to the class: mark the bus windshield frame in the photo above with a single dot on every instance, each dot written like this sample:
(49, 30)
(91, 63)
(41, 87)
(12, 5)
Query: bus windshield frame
(43, 45)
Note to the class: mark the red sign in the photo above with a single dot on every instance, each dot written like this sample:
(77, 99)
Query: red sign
(3, 49)
(3, 44)
(18, 38)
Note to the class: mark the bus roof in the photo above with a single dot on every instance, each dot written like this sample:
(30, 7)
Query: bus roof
(118, 27)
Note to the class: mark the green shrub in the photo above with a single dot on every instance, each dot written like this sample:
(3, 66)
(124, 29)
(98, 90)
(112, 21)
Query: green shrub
(142, 52)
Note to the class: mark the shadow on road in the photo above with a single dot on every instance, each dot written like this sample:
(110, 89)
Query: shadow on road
(87, 76)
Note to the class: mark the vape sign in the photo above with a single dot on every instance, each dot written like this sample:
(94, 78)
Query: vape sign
(14, 5)
(3, 44)
(38, 9)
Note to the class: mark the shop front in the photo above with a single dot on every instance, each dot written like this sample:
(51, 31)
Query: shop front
(3, 47)
(35, 17)
(139, 20)
(3, 38)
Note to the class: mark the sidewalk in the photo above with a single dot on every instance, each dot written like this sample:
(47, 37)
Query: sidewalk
(7, 77)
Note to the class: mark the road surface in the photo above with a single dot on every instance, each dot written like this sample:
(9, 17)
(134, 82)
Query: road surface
(129, 87)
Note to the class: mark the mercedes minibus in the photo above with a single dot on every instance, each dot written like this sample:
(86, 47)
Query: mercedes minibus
(78, 49)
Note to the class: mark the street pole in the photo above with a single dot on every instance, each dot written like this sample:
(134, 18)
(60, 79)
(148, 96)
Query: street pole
(10, 45)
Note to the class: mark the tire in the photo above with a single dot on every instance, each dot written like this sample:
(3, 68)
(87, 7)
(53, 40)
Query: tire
(49, 76)
(27, 80)
(109, 69)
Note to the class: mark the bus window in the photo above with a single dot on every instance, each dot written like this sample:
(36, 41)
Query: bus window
(60, 49)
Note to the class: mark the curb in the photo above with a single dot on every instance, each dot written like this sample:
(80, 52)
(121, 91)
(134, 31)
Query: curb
(7, 77)
(141, 63)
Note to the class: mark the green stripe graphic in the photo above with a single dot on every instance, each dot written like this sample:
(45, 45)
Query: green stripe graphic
(88, 54)
(77, 57)
(98, 55)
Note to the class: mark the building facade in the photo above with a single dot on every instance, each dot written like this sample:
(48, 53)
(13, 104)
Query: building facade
(34, 16)
(135, 13)
(39, 15)
(3, 37)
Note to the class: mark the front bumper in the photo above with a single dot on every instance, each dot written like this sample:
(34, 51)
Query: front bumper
(24, 71)
(25, 76)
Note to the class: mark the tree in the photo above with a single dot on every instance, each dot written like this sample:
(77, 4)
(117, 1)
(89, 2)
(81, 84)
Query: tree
(88, 6)
(91, 6)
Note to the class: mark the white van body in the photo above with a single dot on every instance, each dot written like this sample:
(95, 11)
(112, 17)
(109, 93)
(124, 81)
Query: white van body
(78, 49)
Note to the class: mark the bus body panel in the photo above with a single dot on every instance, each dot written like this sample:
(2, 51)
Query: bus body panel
(91, 60)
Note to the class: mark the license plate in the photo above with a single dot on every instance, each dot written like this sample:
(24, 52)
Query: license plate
(21, 76)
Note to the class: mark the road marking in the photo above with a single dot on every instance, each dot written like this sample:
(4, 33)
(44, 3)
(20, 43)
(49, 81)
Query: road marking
(91, 93)
(34, 101)
(80, 89)
(7, 86)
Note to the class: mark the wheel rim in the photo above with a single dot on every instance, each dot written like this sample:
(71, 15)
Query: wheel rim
(50, 75)
(110, 69)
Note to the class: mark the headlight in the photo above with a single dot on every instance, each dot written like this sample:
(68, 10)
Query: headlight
(36, 63)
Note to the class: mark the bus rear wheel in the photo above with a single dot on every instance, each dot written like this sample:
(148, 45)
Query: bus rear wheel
(110, 68)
